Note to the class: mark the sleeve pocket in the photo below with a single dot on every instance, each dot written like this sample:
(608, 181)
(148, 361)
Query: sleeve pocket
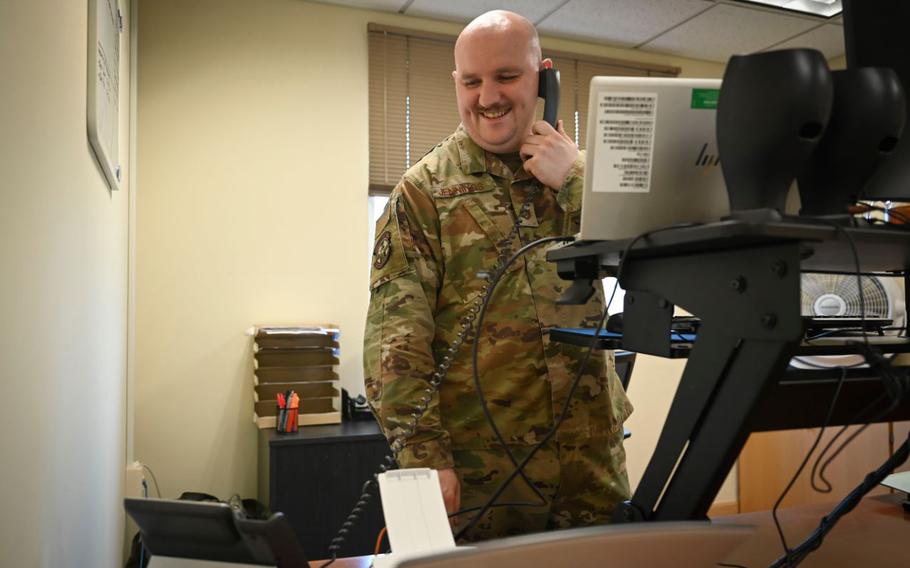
(372, 349)
(389, 260)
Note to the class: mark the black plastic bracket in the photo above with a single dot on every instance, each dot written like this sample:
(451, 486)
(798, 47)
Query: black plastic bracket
(646, 323)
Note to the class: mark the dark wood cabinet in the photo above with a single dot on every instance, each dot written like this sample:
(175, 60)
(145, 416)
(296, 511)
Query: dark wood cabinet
(315, 477)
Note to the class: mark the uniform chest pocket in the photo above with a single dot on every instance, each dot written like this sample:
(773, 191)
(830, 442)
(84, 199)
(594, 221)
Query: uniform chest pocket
(474, 239)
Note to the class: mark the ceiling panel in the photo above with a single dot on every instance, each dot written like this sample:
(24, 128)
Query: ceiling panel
(377, 5)
(467, 10)
(702, 29)
(829, 39)
(727, 30)
(619, 22)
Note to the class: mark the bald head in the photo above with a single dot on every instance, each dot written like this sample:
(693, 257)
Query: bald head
(500, 23)
(497, 57)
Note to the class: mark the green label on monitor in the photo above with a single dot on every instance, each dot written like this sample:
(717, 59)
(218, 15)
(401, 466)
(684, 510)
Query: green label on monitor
(705, 98)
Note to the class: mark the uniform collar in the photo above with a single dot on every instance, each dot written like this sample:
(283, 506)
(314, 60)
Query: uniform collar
(476, 160)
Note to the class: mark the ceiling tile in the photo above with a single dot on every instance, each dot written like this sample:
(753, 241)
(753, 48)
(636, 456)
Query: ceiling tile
(812, 8)
(377, 5)
(829, 39)
(619, 22)
(467, 10)
(729, 30)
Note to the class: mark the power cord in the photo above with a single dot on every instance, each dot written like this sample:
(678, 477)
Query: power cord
(846, 505)
(799, 470)
(154, 479)
(819, 468)
(897, 388)
(894, 386)
(495, 278)
(564, 411)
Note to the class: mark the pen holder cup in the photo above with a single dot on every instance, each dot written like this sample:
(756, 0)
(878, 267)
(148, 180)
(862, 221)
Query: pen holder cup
(286, 420)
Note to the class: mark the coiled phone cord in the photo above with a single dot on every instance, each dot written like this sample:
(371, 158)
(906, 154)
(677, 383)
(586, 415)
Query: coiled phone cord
(442, 368)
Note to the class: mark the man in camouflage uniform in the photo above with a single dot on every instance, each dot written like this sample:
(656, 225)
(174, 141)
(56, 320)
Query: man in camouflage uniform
(442, 230)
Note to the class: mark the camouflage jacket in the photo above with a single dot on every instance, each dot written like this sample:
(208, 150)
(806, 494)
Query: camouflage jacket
(440, 229)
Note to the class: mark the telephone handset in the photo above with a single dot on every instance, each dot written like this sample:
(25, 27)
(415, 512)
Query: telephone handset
(548, 90)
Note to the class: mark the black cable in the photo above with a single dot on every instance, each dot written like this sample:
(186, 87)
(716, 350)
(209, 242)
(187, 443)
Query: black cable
(495, 279)
(862, 319)
(564, 411)
(799, 470)
(844, 444)
(546, 438)
(847, 504)
(855, 420)
(152, 473)
(894, 388)
(409, 428)
(862, 315)
(897, 388)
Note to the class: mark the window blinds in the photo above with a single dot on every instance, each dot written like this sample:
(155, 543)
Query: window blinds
(412, 96)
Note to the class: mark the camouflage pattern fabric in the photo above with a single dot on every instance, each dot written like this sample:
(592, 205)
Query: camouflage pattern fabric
(439, 233)
(582, 482)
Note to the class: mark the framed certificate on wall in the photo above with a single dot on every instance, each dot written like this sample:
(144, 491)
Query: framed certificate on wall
(105, 25)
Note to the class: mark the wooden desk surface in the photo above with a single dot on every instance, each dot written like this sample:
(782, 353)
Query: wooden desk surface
(875, 534)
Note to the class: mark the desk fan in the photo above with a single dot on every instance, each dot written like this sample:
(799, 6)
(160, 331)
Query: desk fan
(833, 301)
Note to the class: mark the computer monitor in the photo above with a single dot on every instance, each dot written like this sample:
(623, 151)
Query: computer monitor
(652, 157)
(875, 35)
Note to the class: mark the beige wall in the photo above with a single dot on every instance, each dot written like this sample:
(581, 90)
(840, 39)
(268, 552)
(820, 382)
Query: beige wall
(838, 62)
(251, 207)
(63, 300)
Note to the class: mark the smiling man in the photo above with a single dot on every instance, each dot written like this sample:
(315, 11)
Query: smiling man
(446, 223)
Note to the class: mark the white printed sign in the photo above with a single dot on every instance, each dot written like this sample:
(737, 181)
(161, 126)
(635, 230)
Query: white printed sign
(625, 142)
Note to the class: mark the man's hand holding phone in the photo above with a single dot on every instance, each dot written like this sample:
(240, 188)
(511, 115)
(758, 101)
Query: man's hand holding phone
(549, 153)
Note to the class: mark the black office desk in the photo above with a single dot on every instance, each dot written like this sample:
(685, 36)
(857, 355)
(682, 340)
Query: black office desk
(315, 476)
(743, 280)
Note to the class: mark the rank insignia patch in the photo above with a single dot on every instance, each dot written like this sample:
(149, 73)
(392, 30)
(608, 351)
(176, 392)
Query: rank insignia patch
(383, 250)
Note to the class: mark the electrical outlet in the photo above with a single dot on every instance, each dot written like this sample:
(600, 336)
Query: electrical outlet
(135, 481)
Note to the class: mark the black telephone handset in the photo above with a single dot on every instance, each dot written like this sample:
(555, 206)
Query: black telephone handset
(548, 90)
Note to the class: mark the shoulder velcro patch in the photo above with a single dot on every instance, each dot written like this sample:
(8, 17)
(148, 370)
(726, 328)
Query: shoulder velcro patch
(389, 259)
(382, 252)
